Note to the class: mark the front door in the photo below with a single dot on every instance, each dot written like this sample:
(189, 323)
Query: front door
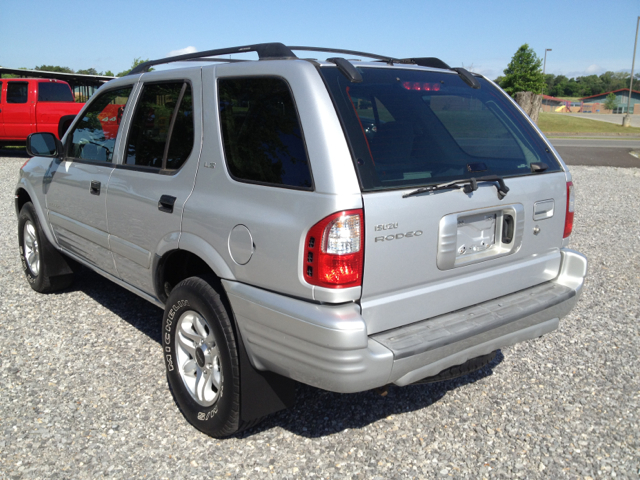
(77, 185)
(149, 187)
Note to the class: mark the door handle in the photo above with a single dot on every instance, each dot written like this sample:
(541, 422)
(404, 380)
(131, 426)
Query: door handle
(95, 187)
(166, 202)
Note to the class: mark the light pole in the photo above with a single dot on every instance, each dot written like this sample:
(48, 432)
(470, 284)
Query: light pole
(626, 120)
(544, 68)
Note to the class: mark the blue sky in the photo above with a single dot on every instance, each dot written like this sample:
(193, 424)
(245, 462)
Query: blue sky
(585, 36)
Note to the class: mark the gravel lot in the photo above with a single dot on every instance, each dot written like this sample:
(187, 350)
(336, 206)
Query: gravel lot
(84, 393)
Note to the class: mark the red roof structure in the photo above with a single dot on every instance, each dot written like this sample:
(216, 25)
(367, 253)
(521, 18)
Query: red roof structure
(607, 93)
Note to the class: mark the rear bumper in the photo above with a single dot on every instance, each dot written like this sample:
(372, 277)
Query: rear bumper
(327, 346)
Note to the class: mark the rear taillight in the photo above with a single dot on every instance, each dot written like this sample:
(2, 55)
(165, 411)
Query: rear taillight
(568, 219)
(334, 251)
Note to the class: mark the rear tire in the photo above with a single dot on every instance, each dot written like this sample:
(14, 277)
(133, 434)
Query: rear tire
(201, 357)
(40, 260)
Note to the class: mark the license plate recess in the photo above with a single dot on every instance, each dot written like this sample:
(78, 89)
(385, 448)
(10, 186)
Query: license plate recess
(479, 235)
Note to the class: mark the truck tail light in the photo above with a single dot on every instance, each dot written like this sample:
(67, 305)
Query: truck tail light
(568, 219)
(334, 251)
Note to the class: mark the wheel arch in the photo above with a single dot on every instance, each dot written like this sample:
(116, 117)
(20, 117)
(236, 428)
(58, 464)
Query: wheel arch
(177, 264)
(64, 123)
(21, 197)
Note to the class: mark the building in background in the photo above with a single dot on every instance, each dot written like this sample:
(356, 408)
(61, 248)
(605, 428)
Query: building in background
(595, 103)
(557, 105)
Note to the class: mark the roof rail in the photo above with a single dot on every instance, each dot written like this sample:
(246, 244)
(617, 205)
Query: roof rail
(264, 51)
(279, 50)
(427, 62)
(347, 52)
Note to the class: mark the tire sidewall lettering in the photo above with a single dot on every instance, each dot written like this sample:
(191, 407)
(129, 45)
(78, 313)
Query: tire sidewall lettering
(195, 413)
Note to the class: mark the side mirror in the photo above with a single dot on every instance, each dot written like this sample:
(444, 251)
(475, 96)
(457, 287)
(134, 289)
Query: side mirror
(43, 144)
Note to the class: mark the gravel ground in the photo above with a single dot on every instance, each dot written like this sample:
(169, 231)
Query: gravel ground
(84, 393)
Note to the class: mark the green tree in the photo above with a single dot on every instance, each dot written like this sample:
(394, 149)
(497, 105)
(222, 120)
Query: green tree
(611, 102)
(523, 74)
(10, 75)
(136, 62)
(108, 73)
(54, 68)
(548, 84)
(88, 71)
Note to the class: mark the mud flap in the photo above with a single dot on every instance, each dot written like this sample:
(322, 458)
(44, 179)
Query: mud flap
(261, 393)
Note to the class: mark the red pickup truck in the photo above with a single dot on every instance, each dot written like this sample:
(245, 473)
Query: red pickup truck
(29, 105)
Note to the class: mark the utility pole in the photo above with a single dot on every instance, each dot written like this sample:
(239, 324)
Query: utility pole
(544, 81)
(544, 67)
(626, 120)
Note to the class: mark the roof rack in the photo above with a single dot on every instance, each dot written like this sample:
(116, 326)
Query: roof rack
(280, 51)
(264, 51)
(426, 62)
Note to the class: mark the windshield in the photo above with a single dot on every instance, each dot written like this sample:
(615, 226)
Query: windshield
(411, 128)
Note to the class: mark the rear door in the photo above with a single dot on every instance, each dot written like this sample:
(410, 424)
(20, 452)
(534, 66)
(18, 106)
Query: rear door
(428, 252)
(18, 110)
(55, 100)
(148, 189)
(1, 106)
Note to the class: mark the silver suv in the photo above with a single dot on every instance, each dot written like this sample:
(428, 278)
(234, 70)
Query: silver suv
(341, 223)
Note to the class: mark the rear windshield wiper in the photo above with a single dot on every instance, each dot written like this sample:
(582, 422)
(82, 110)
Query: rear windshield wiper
(468, 185)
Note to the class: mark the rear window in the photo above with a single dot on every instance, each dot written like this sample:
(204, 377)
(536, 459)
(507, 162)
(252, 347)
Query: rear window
(411, 128)
(54, 92)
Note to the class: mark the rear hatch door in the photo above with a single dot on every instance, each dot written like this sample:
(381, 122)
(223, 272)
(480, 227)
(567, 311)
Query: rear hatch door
(441, 230)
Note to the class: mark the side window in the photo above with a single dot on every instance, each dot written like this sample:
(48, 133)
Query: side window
(17, 92)
(94, 136)
(261, 132)
(161, 134)
(54, 92)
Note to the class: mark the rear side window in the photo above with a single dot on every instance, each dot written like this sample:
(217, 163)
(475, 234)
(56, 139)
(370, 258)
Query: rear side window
(94, 136)
(54, 92)
(411, 128)
(17, 92)
(261, 132)
(162, 134)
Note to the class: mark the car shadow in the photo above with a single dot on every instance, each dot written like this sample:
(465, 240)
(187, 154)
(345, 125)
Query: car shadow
(319, 413)
(316, 413)
(134, 310)
(20, 152)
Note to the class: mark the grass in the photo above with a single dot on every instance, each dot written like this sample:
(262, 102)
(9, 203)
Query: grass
(559, 123)
(570, 99)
